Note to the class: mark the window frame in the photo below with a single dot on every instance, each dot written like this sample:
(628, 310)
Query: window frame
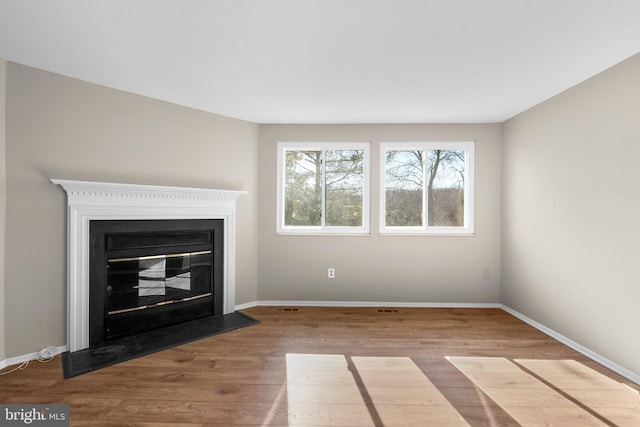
(323, 229)
(469, 203)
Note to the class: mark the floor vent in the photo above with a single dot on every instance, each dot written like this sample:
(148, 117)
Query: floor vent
(287, 309)
(387, 310)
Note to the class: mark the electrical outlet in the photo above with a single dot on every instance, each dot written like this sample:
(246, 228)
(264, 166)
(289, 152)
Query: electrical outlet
(331, 273)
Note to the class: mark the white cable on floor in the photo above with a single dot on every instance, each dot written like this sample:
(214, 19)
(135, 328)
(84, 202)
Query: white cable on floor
(45, 355)
(20, 367)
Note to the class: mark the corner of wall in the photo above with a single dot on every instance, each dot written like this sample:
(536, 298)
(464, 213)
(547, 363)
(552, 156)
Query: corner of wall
(501, 243)
(3, 195)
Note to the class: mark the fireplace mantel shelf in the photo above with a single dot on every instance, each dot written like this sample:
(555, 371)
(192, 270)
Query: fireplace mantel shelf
(109, 190)
(89, 201)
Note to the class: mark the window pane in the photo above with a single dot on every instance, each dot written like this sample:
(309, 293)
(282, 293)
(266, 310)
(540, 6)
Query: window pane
(445, 188)
(344, 187)
(303, 188)
(404, 188)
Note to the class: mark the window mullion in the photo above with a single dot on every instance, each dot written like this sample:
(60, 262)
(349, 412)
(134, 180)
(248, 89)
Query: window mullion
(323, 181)
(425, 189)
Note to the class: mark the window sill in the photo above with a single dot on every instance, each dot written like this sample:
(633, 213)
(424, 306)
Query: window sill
(323, 233)
(431, 231)
(420, 234)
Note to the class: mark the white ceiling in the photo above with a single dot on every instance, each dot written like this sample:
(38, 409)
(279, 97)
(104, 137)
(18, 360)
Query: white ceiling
(328, 61)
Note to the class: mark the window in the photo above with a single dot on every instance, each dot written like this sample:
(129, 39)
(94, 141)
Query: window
(427, 188)
(323, 188)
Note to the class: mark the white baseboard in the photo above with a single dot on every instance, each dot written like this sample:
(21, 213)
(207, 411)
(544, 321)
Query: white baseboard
(245, 305)
(632, 376)
(10, 361)
(369, 304)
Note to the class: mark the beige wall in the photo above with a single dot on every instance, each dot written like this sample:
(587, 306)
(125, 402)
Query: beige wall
(3, 198)
(571, 210)
(63, 128)
(427, 269)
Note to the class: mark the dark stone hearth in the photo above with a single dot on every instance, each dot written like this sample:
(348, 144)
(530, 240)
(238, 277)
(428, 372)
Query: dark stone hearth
(141, 344)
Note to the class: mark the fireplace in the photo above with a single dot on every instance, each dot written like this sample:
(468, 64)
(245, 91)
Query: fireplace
(93, 205)
(146, 274)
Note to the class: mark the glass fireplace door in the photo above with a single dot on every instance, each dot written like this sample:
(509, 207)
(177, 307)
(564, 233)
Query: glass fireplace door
(150, 281)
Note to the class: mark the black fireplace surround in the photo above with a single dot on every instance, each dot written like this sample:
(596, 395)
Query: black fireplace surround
(147, 274)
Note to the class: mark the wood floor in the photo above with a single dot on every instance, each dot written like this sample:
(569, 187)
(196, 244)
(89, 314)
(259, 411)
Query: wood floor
(347, 367)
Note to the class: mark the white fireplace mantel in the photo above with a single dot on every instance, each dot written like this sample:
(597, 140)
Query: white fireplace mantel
(89, 201)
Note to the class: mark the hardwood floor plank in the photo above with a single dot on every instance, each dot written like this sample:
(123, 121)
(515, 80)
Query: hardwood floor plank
(419, 416)
(343, 366)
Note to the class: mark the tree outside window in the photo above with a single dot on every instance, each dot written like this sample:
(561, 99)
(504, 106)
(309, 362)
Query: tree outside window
(324, 188)
(426, 187)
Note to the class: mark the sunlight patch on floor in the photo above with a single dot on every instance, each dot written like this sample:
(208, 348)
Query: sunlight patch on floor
(605, 396)
(552, 392)
(322, 391)
(363, 391)
(403, 395)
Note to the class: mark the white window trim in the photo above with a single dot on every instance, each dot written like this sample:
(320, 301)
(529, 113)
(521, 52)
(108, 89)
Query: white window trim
(469, 205)
(324, 230)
